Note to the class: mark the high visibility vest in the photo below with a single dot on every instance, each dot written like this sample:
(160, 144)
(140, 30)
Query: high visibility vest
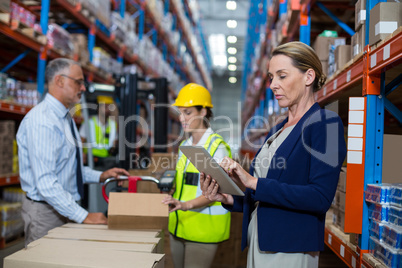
(210, 224)
(100, 143)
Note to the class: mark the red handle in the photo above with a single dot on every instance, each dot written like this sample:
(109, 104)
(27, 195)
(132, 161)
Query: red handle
(132, 186)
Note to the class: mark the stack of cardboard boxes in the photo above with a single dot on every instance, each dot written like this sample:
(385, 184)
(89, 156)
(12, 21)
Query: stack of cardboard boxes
(358, 39)
(338, 205)
(325, 48)
(134, 237)
(7, 136)
(385, 18)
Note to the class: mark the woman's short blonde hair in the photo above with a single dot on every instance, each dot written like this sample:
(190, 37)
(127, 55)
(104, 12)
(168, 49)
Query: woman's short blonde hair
(303, 58)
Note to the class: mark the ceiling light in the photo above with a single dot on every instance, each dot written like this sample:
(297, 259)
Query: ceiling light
(232, 59)
(232, 67)
(231, 24)
(232, 50)
(232, 79)
(231, 5)
(232, 39)
(220, 60)
(217, 47)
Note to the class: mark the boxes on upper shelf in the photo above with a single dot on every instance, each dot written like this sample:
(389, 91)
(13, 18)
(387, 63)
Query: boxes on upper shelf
(385, 18)
(358, 41)
(323, 44)
(342, 56)
(360, 14)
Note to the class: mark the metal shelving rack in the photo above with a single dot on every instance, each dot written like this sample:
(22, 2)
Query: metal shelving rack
(148, 25)
(366, 81)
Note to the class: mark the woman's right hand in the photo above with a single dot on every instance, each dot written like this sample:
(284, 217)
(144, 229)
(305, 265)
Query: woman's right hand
(210, 188)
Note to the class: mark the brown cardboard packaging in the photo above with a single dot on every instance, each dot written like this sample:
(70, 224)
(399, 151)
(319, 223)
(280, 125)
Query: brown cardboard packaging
(135, 247)
(108, 232)
(324, 64)
(339, 218)
(342, 181)
(153, 241)
(137, 211)
(342, 56)
(360, 14)
(385, 18)
(321, 45)
(66, 256)
(391, 163)
(358, 41)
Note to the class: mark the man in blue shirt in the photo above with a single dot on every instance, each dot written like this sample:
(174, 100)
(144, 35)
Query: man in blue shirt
(50, 156)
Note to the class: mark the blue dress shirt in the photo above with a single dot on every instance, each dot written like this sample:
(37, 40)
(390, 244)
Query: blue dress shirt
(47, 159)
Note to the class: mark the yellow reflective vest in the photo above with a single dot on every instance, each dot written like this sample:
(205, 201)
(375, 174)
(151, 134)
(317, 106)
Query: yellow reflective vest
(210, 224)
(101, 140)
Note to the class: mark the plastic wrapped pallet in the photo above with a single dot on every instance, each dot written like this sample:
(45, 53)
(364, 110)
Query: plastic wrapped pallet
(59, 39)
(118, 27)
(80, 42)
(11, 219)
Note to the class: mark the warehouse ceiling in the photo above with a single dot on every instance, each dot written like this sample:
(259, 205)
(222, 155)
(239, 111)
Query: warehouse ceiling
(216, 19)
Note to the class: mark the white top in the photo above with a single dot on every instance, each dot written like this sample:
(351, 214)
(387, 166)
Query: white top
(220, 152)
(268, 150)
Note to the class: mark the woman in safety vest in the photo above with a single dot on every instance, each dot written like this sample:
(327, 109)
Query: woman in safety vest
(196, 225)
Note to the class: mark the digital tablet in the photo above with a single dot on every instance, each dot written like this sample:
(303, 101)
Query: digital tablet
(204, 162)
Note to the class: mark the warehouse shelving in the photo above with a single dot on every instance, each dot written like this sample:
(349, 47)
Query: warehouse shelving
(10, 179)
(371, 75)
(14, 108)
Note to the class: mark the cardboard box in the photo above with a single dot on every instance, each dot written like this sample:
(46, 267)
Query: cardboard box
(342, 180)
(322, 45)
(342, 56)
(391, 163)
(62, 255)
(360, 14)
(338, 218)
(107, 232)
(358, 41)
(385, 18)
(324, 64)
(340, 200)
(137, 211)
(152, 241)
(102, 245)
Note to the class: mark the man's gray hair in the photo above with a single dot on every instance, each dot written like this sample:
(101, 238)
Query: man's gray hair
(56, 66)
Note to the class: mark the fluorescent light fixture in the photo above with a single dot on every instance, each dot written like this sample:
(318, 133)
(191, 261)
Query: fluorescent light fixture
(219, 61)
(231, 5)
(217, 47)
(232, 79)
(232, 50)
(231, 24)
(232, 39)
(232, 59)
(232, 67)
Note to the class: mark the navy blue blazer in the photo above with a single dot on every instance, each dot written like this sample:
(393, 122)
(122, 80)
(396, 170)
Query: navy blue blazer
(299, 187)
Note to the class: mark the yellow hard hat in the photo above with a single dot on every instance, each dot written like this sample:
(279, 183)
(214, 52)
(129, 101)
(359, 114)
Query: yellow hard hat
(193, 95)
(105, 99)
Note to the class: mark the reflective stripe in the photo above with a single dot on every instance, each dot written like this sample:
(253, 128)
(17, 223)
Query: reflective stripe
(211, 210)
(213, 139)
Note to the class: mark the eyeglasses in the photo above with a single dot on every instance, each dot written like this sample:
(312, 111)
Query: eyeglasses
(79, 82)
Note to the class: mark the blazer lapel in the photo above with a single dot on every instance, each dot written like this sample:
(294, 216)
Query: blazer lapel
(287, 146)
